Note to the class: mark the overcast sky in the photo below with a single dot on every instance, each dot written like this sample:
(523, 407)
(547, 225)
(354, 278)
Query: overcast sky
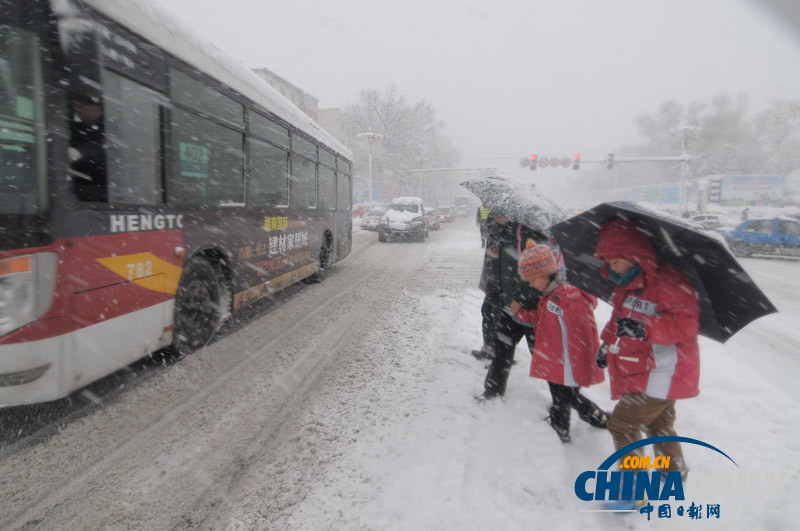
(512, 77)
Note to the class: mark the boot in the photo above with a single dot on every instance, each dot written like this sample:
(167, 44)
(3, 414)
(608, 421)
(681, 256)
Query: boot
(596, 417)
(482, 354)
(589, 412)
(559, 421)
(486, 396)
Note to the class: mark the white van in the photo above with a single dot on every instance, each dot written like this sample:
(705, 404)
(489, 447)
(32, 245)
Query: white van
(404, 219)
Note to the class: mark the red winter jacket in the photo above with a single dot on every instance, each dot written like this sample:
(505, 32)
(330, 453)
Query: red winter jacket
(666, 363)
(566, 313)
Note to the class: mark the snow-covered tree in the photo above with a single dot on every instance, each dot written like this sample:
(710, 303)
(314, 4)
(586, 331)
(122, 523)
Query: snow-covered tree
(410, 136)
(778, 131)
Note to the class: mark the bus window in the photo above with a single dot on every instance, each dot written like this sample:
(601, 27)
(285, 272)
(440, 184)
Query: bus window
(197, 95)
(269, 175)
(269, 130)
(133, 141)
(22, 164)
(327, 189)
(342, 191)
(303, 147)
(208, 162)
(344, 167)
(327, 158)
(303, 191)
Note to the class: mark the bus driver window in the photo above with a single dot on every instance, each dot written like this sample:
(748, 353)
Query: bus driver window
(87, 149)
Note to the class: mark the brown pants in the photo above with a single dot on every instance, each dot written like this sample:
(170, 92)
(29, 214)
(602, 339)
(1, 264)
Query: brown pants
(637, 412)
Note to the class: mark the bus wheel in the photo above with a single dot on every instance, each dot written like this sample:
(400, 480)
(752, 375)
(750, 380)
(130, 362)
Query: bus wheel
(324, 265)
(198, 312)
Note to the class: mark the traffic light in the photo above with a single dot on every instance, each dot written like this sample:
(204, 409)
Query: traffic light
(610, 161)
(576, 161)
(534, 161)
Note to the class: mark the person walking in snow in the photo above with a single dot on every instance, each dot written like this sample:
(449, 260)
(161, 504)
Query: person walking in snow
(490, 285)
(650, 342)
(514, 295)
(482, 220)
(566, 340)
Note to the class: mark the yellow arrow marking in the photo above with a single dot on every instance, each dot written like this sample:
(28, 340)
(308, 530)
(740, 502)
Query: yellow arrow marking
(146, 270)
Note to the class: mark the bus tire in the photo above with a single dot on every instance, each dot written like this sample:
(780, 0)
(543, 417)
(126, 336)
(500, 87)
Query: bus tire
(198, 312)
(324, 264)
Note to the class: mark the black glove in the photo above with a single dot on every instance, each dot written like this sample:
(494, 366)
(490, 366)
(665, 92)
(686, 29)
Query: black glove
(627, 327)
(601, 359)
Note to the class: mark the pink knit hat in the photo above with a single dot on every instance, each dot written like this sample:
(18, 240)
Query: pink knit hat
(536, 261)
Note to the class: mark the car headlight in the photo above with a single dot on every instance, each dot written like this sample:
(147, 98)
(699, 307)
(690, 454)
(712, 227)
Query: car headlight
(26, 289)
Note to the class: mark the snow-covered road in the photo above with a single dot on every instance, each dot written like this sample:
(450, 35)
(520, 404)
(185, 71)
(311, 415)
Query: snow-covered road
(348, 405)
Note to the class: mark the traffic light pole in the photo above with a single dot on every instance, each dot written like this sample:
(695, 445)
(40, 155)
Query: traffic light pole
(685, 160)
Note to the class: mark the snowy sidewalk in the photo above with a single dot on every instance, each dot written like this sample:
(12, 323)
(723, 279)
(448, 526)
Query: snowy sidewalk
(415, 451)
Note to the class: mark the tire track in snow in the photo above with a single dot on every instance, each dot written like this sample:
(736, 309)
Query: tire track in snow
(58, 493)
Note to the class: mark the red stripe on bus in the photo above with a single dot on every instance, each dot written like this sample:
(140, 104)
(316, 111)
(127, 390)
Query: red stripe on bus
(87, 292)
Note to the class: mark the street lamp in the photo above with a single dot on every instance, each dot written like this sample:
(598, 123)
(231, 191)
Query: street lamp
(371, 137)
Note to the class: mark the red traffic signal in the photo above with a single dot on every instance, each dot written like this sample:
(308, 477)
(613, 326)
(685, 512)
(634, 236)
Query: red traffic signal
(534, 161)
(576, 161)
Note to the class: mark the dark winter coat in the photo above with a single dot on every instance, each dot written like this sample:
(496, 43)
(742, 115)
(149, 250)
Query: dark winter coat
(664, 364)
(490, 275)
(513, 237)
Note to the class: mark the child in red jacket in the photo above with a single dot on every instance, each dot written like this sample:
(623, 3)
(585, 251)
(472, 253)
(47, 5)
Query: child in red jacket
(566, 340)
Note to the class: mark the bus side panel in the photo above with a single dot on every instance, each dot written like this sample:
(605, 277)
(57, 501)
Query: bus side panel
(123, 287)
(143, 264)
(113, 304)
(109, 345)
(267, 249)
(88, 265)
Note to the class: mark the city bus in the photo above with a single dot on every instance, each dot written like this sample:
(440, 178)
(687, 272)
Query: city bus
(150, 187)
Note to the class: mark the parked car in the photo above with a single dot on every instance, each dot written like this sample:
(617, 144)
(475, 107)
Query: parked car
(707, 221)
(432, 217)
(372, 218)
(765, 236)
(405, 219)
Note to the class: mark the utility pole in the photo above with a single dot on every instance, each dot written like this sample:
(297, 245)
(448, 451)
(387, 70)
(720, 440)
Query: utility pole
(685, 170)
(371, 137)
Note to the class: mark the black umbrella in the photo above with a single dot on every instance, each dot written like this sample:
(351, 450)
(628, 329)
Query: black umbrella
(519, 202)
(729, 299)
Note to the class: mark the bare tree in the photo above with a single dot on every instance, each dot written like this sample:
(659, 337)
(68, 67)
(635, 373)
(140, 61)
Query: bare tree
(411, 136)
(778, 130)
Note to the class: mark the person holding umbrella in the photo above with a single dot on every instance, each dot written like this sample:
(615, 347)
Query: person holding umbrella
(490, 285)
(566, 340)
(514, 296)
(650, 342)
(668, 283)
